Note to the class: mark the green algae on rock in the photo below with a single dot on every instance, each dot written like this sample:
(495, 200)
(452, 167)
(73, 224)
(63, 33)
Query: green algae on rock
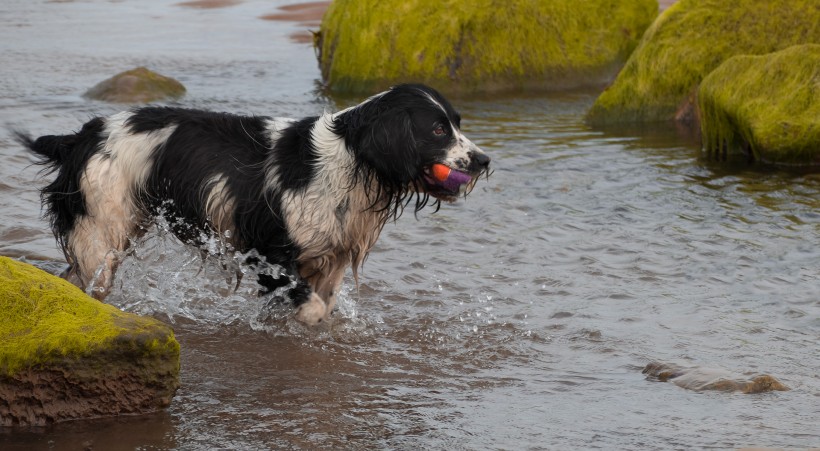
(766, 107)
(138, 85)
(687, 42)
(64, 355)
(457, 46)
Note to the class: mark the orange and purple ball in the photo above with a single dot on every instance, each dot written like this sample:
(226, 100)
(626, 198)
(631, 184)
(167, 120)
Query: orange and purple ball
(449, 179)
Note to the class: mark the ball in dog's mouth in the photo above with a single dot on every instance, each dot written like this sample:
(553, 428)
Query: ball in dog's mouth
(446, 181)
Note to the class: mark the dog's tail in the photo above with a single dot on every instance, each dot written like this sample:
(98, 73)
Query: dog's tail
(55, 150)
(67, 155)
(52, 149)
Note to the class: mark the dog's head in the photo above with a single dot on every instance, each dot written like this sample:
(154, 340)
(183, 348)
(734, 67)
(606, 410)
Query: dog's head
(409, 140)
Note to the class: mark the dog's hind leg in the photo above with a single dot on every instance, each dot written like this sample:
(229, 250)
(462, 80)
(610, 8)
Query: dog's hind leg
(97, 242)
(95, 251)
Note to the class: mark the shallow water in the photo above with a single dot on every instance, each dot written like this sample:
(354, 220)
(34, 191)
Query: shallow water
(519, 318)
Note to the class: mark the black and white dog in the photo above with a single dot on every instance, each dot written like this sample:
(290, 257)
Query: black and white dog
(311, 195)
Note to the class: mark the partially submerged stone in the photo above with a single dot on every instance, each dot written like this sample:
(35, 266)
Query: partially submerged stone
(138, 85)
(478, 46)
(687, 42)
(764, 107)
(65, 356)
(701, 379)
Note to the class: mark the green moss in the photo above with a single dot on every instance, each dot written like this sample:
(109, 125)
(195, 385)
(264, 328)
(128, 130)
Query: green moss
(44, 318)
(688, 41)
(483, 45)
(138, 85)
(765, 106)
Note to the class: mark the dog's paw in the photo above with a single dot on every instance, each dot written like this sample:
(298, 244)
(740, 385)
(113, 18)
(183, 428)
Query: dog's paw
(311, 312)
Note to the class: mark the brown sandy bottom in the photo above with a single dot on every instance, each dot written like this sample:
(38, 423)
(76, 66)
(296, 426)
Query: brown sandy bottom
(209, 4)
(308, 15)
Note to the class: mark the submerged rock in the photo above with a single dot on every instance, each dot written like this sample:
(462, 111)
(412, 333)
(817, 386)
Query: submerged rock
(65, 356)
(478, 46)
(687, 42)
(766, 107)
(700, 379)
(138, 85)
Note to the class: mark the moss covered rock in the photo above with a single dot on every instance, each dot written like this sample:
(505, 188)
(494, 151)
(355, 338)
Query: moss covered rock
(138, 85)
(687, 42)
(478, 46)
(766, 107)
(65, 356)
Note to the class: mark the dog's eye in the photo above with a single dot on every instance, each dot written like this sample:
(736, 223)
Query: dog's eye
(440, 131)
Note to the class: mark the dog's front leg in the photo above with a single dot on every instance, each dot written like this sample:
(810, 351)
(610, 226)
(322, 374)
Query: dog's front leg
(313, 311)
(310, 308)
(322, 297)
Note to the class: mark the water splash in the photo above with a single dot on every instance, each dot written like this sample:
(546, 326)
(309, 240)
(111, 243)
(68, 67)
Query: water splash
(209, 284)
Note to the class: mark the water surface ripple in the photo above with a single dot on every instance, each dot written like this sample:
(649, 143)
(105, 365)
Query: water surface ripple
(519, 318)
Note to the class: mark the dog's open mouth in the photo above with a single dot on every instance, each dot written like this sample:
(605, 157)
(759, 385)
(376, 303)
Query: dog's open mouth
(443, 182)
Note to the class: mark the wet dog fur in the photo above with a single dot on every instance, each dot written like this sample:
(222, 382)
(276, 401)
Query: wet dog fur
(311, 195)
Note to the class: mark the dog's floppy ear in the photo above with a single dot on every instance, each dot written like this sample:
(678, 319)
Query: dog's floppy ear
(382, 141)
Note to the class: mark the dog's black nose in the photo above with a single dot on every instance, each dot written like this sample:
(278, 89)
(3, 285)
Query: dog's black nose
(480, 159)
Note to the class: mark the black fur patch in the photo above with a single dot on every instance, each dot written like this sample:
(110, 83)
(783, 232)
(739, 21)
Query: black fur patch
(67, 155)
(394, 139)
(206, 148)
(295, 155)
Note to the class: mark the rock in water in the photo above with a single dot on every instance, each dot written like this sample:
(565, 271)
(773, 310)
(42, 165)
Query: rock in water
(687, 42)
(700, 379)
(66, 356)
(461, 46)
(138, 85)
(765, 108)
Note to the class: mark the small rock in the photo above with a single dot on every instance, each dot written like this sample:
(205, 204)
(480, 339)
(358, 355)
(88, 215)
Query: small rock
(138, 85)
(701, 379)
